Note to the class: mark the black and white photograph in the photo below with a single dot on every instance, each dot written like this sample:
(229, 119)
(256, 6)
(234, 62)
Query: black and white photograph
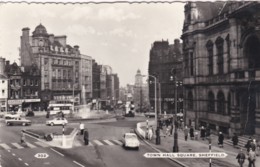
(129, 83)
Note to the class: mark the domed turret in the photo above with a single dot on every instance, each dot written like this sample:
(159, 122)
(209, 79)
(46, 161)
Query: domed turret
(40, 30)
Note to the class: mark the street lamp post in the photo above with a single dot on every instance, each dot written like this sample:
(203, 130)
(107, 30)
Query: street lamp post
(175, 136)
(157, 140)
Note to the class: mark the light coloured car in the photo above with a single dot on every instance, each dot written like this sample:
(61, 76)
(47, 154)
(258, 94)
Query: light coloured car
(57, 121)
(130, 140)
(18, 121)
(12, 115)
(149, 114)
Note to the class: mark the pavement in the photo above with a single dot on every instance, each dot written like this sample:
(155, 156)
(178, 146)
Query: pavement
(199, 145)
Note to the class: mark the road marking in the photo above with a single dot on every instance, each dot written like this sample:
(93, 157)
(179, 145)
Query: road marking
(26, 164)
(108, 142)
(118, 142)
(30, 145)
(78, 164)
(20, 159)
(98, 142)
(13, 154)
(5, 146)
(89, 143)
(57, 152)
(17, 145)
(41, 144)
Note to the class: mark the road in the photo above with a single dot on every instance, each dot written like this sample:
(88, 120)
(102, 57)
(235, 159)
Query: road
(105, 148)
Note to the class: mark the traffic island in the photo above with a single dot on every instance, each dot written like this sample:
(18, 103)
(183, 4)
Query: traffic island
(54, 138)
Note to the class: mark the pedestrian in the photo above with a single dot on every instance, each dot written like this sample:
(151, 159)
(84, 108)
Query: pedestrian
(191, 133)
(241, 158)
(86, 137)
(235, 140)
(220, 139)
(202, 133)
(150, 133)
(253, 145)
(186, 132)
(81, 127)
(22, 137)
(171, 128)
(207, 132)
(248, 144)
(251, 158)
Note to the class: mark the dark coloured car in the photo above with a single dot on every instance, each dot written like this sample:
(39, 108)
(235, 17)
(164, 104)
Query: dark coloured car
(18, 121)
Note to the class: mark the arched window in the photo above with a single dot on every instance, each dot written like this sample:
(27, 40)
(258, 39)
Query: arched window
(211, 102)
(209, 47)
(220, 103)
(229, 104)
(190, 101)
(220, 55)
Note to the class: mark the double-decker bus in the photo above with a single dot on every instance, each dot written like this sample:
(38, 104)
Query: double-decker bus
(60, 106)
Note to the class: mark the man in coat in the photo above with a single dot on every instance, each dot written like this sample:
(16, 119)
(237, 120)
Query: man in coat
(86, 137)
(241, 158)
(220, 139)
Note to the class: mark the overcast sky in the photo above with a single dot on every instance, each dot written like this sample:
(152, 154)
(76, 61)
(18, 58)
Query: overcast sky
(115, 34)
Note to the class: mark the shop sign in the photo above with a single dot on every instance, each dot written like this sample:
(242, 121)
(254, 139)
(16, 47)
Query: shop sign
(15, 102)
(32, 100)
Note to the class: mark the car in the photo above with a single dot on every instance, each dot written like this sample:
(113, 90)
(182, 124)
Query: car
(12, 115)
(57, 121)
(130, 140)
(18, 121)
(149, 114)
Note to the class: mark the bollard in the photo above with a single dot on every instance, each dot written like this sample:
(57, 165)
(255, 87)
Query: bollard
(63, 136)
(209, 151)
(146, 135)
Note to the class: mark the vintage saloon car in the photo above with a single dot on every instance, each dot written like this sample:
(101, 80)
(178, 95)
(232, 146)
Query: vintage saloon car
(18, 121)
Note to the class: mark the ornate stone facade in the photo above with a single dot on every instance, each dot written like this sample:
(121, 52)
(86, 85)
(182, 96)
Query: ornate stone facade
(221, 47)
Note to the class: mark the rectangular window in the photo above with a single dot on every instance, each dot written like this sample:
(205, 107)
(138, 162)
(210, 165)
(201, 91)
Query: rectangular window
(24, 82)
(3, 81)
(191, 63)
(3, 92)
(59, 61)
(46, 61)
(31, 82)
(53, 73)
(36, 82)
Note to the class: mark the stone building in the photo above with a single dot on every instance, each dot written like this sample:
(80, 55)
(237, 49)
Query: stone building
(60, 64)
(14, 74)
(3, 86)
(140, 95)
(221, 66)
(166, 65)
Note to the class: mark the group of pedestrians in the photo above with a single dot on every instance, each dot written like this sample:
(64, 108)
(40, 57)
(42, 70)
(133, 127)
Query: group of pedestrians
(252, 149)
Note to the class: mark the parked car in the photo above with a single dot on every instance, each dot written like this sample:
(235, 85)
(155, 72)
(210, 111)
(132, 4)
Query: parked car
(18, 121)
(130, 140)
(149, 114)
(12, 115)
(57, 121)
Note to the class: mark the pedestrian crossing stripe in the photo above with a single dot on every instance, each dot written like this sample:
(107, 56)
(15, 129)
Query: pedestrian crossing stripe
(108, 142)
(5, 146)
(98, 142)
(17, 145)
(118, 142)
(30, 145)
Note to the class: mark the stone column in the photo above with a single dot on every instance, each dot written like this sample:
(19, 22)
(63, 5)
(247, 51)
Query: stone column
(235, 126)
(257, 114)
